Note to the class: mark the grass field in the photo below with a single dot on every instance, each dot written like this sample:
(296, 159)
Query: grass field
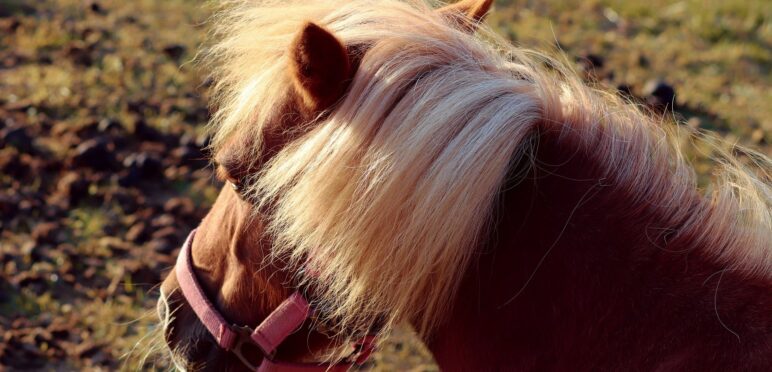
(102, 171)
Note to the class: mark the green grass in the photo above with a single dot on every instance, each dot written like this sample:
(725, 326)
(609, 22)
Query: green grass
(717, 54)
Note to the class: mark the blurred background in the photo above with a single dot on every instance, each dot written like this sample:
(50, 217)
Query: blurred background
(103, 168)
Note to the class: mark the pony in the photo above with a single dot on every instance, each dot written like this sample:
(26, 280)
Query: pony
(404, 164)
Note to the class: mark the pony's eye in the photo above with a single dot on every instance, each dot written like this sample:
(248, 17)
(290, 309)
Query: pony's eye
(224, 174)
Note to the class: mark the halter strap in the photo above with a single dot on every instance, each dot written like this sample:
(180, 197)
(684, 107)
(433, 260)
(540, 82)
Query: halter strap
(194, 295)
(269, 335)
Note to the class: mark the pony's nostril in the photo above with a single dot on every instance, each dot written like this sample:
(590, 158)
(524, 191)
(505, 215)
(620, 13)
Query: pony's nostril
(206, 354)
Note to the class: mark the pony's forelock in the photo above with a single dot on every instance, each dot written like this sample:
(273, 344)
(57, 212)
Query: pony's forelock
(387, 196)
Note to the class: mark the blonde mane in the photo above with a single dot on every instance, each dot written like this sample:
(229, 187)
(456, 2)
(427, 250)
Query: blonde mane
(389, 194)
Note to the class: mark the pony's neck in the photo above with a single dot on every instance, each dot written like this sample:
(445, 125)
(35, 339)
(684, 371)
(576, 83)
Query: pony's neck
(573, 268)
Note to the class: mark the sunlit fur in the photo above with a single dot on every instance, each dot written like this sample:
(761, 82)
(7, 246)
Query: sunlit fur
(389, 194)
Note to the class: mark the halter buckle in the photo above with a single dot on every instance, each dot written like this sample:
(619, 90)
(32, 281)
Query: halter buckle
(244, 337)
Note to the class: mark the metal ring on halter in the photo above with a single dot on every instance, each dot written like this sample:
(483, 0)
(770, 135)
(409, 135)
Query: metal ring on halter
(245, 337)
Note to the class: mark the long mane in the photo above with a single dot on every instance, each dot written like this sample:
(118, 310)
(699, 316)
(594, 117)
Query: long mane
(389, 194)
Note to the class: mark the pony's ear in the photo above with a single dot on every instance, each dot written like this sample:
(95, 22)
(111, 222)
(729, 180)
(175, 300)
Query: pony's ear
(320, 67)
(468, 13)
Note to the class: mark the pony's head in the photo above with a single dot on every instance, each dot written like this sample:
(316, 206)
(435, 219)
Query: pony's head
(335, 122)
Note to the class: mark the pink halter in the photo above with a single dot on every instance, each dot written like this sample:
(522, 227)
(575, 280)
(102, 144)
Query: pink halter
(269, 335)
